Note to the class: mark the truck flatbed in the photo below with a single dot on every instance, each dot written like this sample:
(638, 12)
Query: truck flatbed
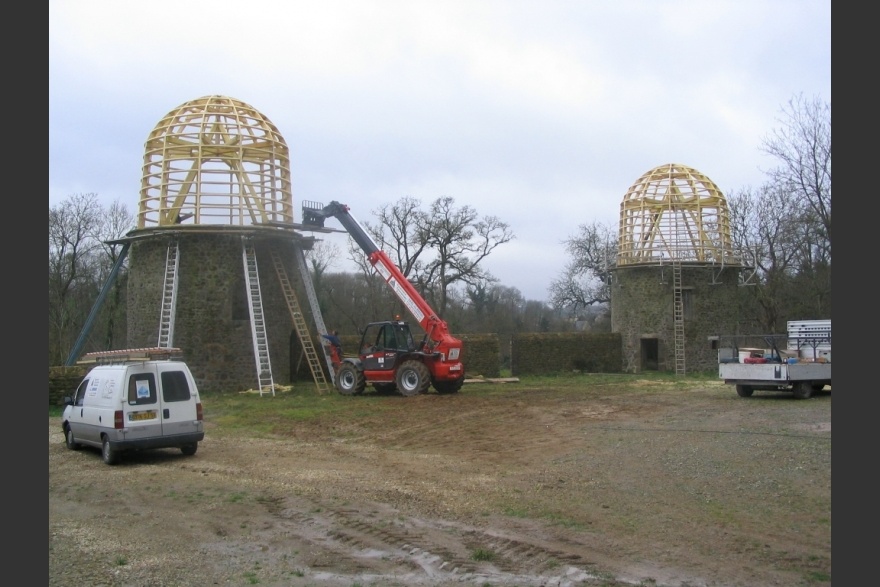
(760, 362)
(800, 378)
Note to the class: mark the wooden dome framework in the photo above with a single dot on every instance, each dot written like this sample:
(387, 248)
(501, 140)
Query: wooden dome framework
(674, 213)
(215, 160)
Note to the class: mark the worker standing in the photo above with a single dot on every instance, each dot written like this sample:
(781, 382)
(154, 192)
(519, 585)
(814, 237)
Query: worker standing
(333, 338)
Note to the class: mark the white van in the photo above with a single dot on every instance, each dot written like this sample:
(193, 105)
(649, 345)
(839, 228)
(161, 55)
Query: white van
(134, 399)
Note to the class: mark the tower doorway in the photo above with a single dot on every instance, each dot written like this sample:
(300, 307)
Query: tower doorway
(650, 354)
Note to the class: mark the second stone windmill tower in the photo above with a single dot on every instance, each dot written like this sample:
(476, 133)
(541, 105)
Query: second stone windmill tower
(216, 253)
(677, 276)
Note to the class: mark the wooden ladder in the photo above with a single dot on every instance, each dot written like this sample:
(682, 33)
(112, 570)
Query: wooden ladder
(299, 321)
(678, 319)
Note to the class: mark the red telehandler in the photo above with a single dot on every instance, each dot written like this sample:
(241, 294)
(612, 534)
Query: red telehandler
(388, 358)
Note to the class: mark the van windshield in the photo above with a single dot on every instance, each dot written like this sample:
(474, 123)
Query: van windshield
(81, 392)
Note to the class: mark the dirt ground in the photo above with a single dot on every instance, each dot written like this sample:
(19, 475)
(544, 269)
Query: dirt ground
(654, 485)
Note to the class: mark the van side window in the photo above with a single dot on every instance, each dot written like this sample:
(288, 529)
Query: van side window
(175, 387)
(141, 389)
(81, 392)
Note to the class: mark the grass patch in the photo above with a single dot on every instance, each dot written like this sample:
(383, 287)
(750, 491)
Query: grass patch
(515, 512)
(818, 577)
(235, 413)
(559, 520)
(482, 554)
(236, 497)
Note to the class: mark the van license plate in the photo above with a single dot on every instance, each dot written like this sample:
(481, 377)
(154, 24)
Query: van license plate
(138, 416)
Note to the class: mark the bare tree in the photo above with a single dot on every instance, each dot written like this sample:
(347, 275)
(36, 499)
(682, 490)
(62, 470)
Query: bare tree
(461, 240)
(113, 224)
(73, 259)
(802, 145)
(437, 249)
(765, 227)
(84, 247)
(494, 307)
(353, 300)
(585, 280)
(408, 230)
(784, 228)
(321, 257)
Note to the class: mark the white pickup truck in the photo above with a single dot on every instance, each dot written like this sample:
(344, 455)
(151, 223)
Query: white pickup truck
(799, 361)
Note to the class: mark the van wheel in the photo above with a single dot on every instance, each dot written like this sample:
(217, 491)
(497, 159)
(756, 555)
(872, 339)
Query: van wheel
(189, 449)
(71, 442)
(110, 456)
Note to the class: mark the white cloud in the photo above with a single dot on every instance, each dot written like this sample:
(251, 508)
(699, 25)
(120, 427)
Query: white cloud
(542, 113)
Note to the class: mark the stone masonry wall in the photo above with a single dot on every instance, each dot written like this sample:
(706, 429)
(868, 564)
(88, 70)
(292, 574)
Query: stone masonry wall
(642, 308)
(212, 323)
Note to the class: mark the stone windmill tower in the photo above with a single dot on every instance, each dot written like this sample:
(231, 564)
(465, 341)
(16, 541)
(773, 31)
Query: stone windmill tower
(677, 277)
(215, 255)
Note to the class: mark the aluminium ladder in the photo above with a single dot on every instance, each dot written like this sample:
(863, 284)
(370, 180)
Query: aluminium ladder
(296, 315)
(169, 295)
(258, 322)
(678, 318)
(309, 286)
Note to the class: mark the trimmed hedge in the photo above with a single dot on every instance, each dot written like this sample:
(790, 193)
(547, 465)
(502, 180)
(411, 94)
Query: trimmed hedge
(63, 381)
(545, 353)
(481, 355)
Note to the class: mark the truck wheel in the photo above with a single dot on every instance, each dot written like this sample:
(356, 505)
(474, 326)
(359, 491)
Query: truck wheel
(803, 390)
(71, 442)
(412, 378)
(449, 386)
(350, 380)
(110, 456)
(189, 449)
(744, 390)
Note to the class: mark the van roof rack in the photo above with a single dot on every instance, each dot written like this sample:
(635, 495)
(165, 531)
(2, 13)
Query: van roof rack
(130, 355)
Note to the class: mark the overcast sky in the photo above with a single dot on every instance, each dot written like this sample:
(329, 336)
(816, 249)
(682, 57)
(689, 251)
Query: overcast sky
(540, 112)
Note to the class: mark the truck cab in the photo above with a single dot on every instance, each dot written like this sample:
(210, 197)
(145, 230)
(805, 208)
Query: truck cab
(383, 343)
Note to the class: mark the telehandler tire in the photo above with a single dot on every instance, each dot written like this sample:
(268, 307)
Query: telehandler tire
(412, 378)
(350, 380)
